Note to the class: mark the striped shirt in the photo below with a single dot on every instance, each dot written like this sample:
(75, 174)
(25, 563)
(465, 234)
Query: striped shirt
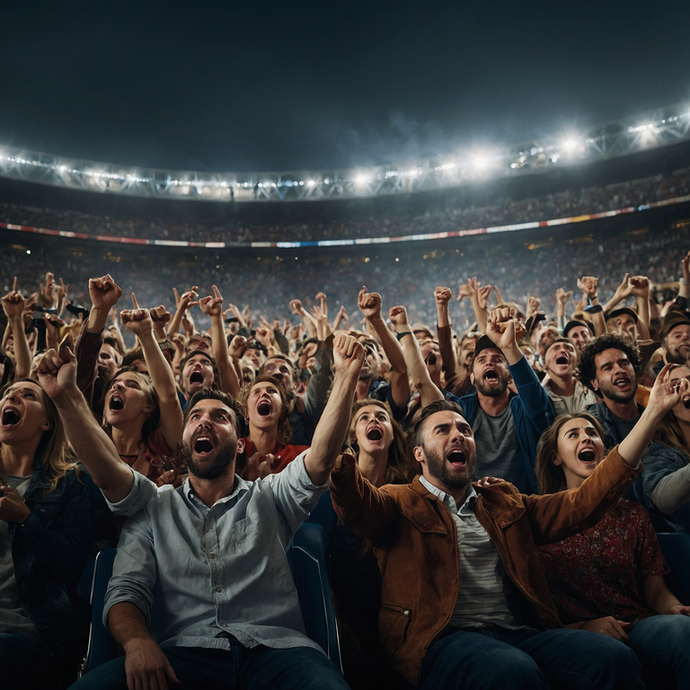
(487, 595)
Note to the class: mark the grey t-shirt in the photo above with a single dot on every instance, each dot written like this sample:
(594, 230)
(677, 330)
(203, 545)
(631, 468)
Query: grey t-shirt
(497, 447)
(13, 620)
(623, 426)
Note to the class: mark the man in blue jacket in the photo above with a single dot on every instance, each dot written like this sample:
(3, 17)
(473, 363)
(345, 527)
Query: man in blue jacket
(507, 426)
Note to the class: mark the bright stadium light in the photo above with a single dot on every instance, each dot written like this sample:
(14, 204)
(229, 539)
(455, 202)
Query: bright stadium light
(361, 179)
(569, 144)
(311, 183)
(481, 161)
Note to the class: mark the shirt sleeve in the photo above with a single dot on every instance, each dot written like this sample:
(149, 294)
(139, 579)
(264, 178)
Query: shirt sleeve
(142, 491)
(294, 493)
(134, 569)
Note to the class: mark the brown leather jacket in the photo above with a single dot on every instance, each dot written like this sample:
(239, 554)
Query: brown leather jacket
(415, 541)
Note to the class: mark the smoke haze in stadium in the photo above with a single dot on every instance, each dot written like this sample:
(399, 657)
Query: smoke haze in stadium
(270, 86)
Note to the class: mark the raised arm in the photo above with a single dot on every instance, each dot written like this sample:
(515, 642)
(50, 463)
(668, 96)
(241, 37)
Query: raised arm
(13, 306)
(348, 357)
(640, 289)
(444, 332)
(297, 308)
(370, 306)
(182, 305)
(104, 294)
(421, 378)
(479, 297)
(664, 396)
(57, 374)
(623, 291)
(590, 288)
(213, 307)
(140, 323)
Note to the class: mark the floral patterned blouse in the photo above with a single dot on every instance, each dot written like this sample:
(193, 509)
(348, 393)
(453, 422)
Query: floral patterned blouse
(601, 572)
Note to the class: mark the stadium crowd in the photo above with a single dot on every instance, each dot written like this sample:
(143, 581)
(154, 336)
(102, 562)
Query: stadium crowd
(457, 213)
(473, 463)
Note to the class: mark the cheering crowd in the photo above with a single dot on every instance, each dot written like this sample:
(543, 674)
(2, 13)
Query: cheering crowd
(491, 489)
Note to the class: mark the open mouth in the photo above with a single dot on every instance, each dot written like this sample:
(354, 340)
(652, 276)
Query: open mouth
(10, 417)
(116, 403)
(587, 456)
(457, 457)
(491, 375)
(431, 360)
(203, 446)
(374, 434)
(622, 382)
(562, 360)
(196, 377)
(264, 408)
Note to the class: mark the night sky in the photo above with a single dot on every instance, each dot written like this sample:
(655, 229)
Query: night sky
(261, 86)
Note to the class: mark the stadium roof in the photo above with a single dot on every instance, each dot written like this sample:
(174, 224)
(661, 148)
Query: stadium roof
(655, 129)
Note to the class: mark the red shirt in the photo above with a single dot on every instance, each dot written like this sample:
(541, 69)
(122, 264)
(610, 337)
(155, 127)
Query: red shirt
(284, 454)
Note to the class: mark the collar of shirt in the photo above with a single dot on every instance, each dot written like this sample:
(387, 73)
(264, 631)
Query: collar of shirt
(240, 487)
(467, 508)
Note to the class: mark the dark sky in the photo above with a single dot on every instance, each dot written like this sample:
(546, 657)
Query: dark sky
(260, 86)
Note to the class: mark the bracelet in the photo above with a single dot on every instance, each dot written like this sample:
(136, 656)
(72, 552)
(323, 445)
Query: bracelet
(594, 308)
(400, 336)
(684, 282)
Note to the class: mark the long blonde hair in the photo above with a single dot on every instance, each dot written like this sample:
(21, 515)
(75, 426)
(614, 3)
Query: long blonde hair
(54, 450)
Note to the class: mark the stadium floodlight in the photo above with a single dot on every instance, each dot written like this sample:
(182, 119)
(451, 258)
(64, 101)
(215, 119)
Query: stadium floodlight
(480, 161)
(361, 179)
(311, 183)
(569, 144)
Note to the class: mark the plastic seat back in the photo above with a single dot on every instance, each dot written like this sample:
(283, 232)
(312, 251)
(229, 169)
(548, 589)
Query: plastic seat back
(307, 555)
(101, 647)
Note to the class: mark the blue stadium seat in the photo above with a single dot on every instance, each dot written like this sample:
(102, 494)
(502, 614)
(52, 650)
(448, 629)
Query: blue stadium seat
(307, 554)
(101, 647)
(307, 557)
(676, 549)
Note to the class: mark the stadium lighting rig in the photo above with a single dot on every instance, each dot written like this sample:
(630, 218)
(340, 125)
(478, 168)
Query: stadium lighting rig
(664, 127)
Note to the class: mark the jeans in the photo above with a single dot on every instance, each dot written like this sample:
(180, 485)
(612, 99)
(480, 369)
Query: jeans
(662, 644)
(496, 657)
(259, 668)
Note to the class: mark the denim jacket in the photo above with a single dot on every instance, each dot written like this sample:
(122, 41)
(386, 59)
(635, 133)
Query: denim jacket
(49, 552)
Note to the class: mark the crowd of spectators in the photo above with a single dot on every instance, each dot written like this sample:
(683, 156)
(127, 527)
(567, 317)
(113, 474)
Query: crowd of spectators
(267, 282)
(218, 443)
(456, 213)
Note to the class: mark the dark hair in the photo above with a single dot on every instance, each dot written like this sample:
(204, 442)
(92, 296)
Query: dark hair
(284, 428)
(587, 371)
(550, 477)
(283, 358)
(559, 340)
(307, 341)
(399, 466)
(241, 426)
(8, 375)
(132, 356)
(216, 372)
(416, 436)
(114, 343)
